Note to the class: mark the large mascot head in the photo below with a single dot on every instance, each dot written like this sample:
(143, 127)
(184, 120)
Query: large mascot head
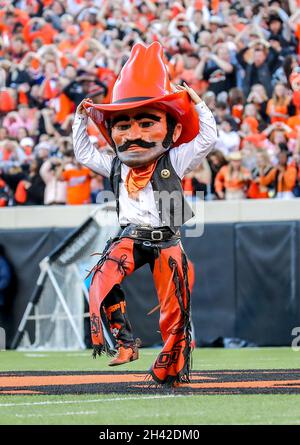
(145, 117)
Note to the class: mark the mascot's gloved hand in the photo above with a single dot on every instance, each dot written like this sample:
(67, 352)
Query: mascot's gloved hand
(192, 93)
(80, 109)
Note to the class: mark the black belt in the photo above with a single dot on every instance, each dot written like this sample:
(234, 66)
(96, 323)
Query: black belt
(149, 233)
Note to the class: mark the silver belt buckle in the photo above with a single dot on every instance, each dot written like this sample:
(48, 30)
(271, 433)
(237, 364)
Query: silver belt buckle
(156, 232)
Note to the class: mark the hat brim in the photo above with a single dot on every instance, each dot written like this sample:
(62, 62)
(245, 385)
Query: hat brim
(178, 104)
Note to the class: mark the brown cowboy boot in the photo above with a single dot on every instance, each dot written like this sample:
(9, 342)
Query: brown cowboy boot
(125, 354)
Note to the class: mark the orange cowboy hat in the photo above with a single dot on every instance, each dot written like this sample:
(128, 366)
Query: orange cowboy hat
(144, 81)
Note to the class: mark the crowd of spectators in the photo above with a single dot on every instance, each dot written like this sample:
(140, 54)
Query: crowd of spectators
(242, 57)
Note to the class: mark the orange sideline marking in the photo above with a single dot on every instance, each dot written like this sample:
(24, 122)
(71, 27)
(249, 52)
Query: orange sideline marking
(40, 380)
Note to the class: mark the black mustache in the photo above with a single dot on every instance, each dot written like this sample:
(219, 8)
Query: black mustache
(138, 142)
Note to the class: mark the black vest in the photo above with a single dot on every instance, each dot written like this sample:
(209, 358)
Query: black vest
(172, 207)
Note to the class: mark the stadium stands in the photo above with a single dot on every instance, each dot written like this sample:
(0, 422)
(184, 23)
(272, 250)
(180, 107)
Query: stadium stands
(242, 57)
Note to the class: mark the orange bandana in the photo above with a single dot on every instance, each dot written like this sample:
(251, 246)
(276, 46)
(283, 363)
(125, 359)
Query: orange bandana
(138, 178)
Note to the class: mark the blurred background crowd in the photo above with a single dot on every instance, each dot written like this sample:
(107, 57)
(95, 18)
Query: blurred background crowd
(242, 57)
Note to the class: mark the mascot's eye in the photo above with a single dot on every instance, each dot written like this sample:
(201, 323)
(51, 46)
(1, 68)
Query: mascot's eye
(123, 127)
(146, 124)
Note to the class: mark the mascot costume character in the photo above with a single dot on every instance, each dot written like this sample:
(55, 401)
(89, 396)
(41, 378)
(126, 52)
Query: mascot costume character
(158, 134)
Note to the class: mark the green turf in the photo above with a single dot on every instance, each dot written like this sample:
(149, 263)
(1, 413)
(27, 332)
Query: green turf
(163, 409)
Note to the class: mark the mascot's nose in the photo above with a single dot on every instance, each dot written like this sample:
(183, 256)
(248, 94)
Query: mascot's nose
(134, 132)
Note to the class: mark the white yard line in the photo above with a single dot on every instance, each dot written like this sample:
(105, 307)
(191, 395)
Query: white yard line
(70, 413)
(32, 355)
(65, 402)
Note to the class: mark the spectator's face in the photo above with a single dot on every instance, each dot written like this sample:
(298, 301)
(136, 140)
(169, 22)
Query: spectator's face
(23, 112)
(36, 44)
(259, 89)
(233, 18)
(295, 83)
(33, 166)
(138, 135)
(223, 52)
(245, 128)
(9, 20)
(3, 133)
(219, 36)
(17, 46)
(259, 56)
(224, 5)
(280, 90)
(115, 49)
(72, 37)
(221, 112)
(65, 22)
(250, 110)
(278, 137)
(35, 91)
(213, 27)
(205, 40)
(98, 98)
(236, 165)
(117, 14)
(248, 12)
(282, 158)
(296, 158)
(214, 160)
(294, 63)
(197, 18)
(57, 8)
(226, 126)
(92, 18)
(43, 153)
(70, 72)
(22, 133)
(88, 56)
(85, 86)
(191, 62)
(275, 26)
(210, 101)
(10, 146)
(50, 69)
(165, 15)
(204, 51)
(260, 160)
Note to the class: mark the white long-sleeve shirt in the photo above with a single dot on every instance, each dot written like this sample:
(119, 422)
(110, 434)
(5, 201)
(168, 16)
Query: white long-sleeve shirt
(184, 158)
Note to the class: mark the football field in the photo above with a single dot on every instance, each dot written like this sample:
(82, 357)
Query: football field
(228, 387)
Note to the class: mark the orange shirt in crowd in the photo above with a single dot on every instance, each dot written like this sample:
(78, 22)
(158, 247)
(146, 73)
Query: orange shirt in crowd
(78, 185)
(65, 107)
(237, 112)
(67, 45)
(232, 183)
(20, 17)
(286, 180)
(282, 109)
(46, 34)
(7, 101)
(294, 121)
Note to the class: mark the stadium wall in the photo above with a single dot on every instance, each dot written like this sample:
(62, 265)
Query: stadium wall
(246, 262)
